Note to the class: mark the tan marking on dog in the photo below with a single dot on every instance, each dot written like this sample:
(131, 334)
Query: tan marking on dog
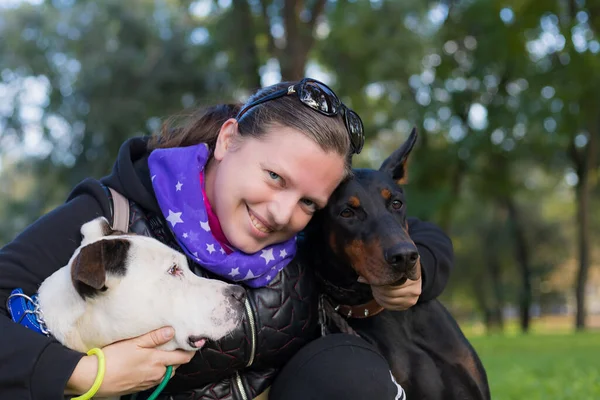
(333, 243)
(354, 201)
(404, 179)
(367, 259)
(357, 252)
(386, 194)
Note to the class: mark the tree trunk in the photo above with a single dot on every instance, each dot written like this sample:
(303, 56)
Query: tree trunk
(583, 195)
(584, 161)
(455, 186)
(299, 37)
(496, 319)
(522, 258)
(482, 303)
(246, 45)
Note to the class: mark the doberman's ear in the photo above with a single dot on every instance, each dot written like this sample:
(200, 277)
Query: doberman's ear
(89, 267)
(395, 164)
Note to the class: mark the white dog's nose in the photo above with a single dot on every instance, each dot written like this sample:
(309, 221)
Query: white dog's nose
(237, 292)
(196, 341)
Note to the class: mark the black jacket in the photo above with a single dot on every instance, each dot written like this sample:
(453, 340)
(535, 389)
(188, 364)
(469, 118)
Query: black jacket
(33, 366)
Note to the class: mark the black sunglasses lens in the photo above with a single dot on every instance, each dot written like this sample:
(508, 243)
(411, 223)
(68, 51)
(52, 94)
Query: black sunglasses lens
(356, 129)
(319, 97)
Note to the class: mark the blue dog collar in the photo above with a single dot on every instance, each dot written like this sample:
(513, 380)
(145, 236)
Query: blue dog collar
(26, 311)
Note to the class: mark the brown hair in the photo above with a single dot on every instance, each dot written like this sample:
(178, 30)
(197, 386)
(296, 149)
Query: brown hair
(203, 126)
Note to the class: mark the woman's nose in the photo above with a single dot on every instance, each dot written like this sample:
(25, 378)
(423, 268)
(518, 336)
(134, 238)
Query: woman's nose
(281, 210)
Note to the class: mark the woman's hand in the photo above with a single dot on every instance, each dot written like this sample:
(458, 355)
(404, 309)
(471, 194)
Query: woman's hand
(132, 365)
(400, 297)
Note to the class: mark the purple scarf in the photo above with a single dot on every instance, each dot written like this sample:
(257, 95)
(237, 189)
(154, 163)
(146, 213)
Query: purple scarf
(175, 176)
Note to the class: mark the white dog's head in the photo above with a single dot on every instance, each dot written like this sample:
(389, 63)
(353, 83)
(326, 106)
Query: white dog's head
(124, 285)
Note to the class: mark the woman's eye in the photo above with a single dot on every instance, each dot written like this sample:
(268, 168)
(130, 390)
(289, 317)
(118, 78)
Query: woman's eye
(346, 213)
(396, 204)
(308, 202)
(273, 175)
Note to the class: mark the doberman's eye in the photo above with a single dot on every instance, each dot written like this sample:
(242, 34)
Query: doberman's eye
(175, 270)
(396, 204)
(346, 213)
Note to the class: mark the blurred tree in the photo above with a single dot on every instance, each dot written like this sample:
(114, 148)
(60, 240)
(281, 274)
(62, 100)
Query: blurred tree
(565, 59)
(503, 93)
(474, 76)
(99, 73)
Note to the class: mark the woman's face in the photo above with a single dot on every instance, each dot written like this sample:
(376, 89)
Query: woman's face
(264, 191)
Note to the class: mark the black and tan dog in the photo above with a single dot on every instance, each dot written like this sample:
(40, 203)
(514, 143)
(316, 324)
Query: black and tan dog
(363, 233)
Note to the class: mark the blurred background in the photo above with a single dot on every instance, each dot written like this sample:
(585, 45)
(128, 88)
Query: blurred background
(504, 94)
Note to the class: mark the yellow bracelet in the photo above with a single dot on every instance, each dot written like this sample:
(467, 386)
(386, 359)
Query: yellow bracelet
(99, 377)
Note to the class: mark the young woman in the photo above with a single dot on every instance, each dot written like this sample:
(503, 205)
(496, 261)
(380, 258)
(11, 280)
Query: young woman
(231, 189)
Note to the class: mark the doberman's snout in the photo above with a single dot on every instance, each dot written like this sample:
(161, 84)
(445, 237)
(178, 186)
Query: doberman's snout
(402, 257)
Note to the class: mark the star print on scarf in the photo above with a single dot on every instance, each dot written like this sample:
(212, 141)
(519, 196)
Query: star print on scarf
(175, 177)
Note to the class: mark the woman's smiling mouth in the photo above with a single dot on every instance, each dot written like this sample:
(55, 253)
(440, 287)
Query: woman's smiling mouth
(258, 223)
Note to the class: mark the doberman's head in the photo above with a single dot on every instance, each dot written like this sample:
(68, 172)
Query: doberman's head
(362, 235)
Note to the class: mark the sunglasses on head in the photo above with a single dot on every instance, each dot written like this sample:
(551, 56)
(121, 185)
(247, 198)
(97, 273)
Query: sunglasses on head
(321, 98)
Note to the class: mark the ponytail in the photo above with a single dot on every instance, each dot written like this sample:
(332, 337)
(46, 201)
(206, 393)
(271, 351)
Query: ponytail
(201, 127)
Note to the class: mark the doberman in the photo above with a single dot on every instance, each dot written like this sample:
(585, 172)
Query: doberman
(363, 232)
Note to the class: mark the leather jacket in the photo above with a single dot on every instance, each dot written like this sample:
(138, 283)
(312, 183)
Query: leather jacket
(280, 318)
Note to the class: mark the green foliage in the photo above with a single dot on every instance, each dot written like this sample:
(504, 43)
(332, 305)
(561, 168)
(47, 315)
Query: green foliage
(109, 71)
(503, 94)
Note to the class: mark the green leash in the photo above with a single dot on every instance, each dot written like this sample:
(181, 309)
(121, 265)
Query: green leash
(160, 387)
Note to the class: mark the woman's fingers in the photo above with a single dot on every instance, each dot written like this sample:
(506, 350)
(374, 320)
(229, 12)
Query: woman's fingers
(175, 357)
(155, 338)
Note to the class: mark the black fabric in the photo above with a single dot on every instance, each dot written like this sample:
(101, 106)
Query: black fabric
(338, 366)
(33, 366)
(437, 257)
(285, 317)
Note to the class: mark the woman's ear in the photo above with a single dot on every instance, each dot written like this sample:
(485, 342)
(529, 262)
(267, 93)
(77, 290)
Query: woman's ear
(227, 134)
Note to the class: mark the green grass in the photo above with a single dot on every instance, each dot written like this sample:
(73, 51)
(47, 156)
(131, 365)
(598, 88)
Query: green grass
(542, 366)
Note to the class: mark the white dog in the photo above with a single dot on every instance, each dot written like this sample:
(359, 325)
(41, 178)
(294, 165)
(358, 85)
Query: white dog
(119, 285)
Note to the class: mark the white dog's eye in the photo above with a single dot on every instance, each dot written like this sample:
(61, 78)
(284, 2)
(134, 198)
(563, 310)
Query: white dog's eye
(175, 270)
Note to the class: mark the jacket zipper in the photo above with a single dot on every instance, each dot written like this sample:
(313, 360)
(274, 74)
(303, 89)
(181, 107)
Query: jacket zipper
(240, 385)
(252, 322)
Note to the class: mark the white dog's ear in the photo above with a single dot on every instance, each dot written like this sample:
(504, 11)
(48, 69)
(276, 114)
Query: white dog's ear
(95, 229)
(94, 261)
